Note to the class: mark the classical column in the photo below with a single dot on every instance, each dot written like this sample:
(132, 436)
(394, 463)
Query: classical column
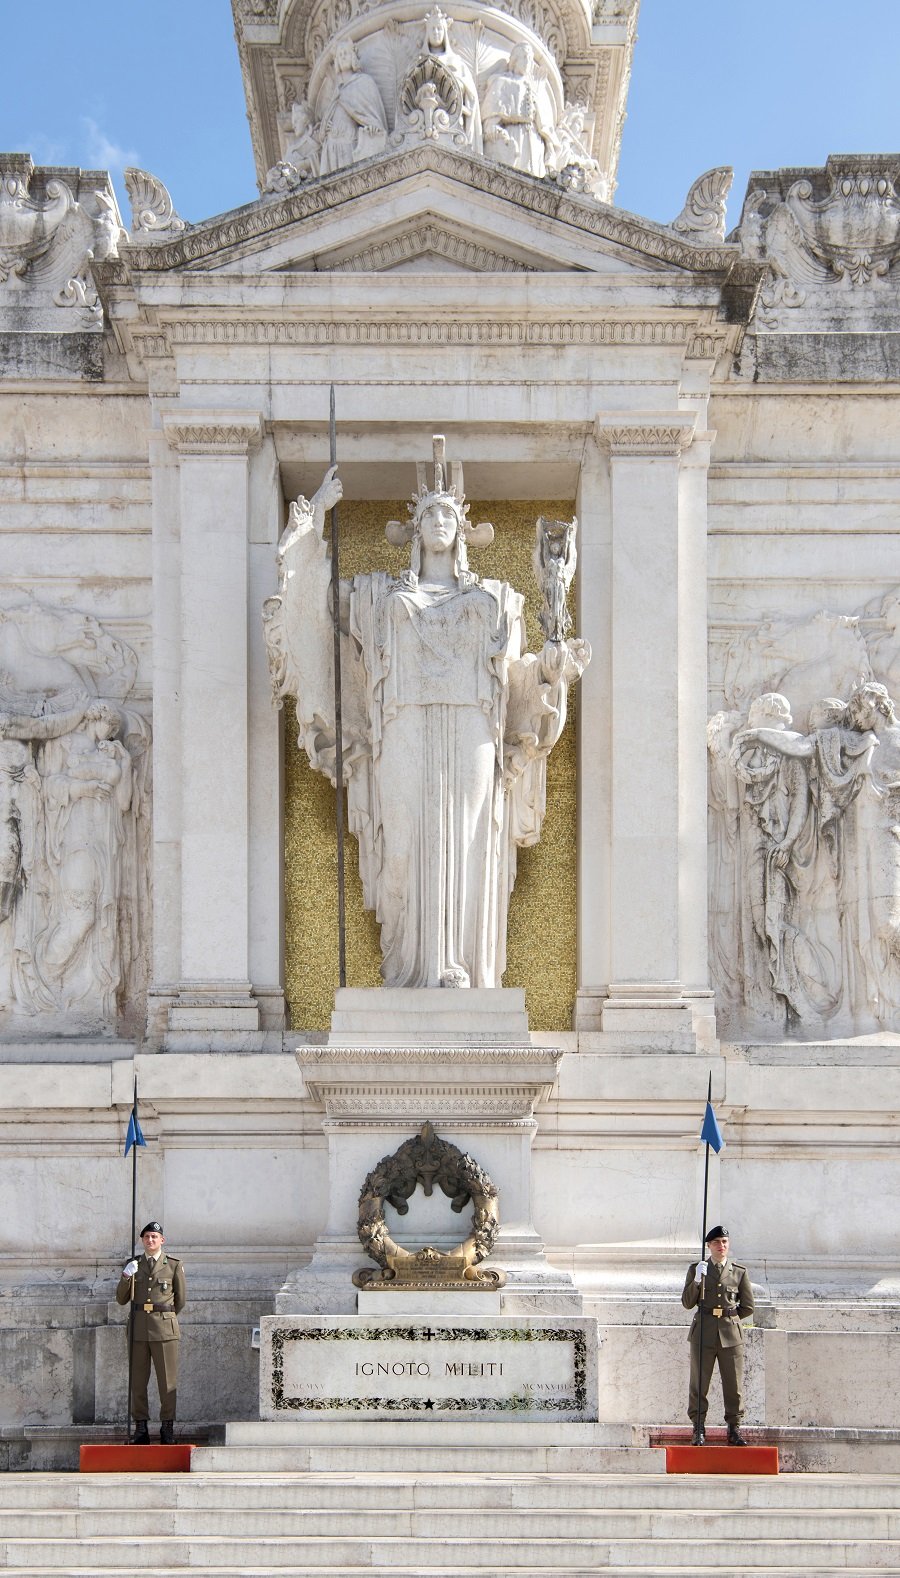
(657, 633)
(214, 450)
(594, 757)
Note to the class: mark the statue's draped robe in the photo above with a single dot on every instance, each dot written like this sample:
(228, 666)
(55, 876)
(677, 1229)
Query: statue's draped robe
(355, 122)
(512, 103)
(447, 726)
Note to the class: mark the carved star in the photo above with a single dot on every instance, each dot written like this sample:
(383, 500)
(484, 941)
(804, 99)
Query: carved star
(429, 1403)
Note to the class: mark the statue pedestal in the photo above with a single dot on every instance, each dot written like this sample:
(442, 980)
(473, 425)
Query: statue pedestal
(463, 1061)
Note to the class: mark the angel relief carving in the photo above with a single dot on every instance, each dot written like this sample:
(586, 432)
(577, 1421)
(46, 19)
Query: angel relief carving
(74, 822)
(805, 852)
(448, 723)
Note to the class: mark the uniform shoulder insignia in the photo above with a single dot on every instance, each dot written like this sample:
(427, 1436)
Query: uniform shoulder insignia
(738, 1266)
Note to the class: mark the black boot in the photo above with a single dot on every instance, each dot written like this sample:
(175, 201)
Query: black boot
(734, 1436)
(699, 1436)
(167, 1432)
(141, 1435)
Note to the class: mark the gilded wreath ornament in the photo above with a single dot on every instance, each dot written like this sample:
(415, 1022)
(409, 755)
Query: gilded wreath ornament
(428, 1160)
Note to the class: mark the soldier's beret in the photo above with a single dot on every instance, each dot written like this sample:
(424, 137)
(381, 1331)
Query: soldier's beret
(152, 1227)
(714, 1232)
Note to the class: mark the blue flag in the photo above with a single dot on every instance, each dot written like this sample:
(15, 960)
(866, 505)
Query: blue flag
(135, 1134)
(711, 1134)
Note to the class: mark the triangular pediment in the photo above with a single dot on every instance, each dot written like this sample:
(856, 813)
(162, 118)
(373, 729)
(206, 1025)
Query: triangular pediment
(428, 210)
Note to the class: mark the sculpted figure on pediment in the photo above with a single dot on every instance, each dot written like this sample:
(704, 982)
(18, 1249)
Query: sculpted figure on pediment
(74, 790)
(354, 123)
(303, 149)
(448, 723)
(518, 130)
(572, 162)
(438, 95)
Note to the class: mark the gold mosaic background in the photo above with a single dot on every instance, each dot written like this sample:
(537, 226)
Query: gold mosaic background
(543, 901)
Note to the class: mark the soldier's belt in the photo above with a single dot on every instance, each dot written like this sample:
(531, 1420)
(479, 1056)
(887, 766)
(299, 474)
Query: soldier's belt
(157, 1309)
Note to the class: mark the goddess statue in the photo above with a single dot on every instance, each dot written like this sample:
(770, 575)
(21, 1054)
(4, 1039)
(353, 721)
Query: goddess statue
(447, 725)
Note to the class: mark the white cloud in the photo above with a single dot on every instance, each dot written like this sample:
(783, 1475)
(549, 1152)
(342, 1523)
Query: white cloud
(102, 154)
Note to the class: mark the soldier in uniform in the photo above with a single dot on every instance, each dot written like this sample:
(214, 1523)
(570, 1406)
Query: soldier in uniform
(154, 1287)
(722, 1288)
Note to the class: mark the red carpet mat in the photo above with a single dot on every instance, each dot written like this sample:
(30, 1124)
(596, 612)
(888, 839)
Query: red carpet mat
(721, 1460)
(120, 1458)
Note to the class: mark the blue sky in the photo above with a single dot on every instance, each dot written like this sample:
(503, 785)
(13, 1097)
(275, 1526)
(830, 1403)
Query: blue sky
(157, 84)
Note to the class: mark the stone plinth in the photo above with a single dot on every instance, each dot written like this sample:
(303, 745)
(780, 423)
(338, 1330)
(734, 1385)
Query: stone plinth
(383, 1368)
(425, 1016)
(463, 1061)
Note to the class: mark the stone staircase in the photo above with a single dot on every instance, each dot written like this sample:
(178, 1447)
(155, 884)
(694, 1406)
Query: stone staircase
(426, 1521)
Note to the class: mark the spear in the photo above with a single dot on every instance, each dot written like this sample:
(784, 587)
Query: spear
(133, 1139)
(338, 717)
(711, 1134)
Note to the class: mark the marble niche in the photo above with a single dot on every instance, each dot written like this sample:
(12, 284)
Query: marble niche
(805, 828)
(74, 825)
(448, 721)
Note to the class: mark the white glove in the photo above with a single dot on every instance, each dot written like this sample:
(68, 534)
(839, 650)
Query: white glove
(700, 1272)
(130, 1269)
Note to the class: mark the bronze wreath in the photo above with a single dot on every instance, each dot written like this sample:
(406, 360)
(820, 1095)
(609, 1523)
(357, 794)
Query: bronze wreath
(428, 1160)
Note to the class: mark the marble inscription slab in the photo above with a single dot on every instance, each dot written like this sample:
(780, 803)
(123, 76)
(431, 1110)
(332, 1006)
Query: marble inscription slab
(537, 1368)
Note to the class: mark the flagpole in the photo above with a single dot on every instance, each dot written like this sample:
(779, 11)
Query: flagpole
(134, 1151)
(338, 716)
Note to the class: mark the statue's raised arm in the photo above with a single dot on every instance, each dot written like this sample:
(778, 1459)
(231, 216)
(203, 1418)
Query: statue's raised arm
(298, 623)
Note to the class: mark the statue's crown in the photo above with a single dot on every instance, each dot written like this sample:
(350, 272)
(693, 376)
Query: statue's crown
(439, 491)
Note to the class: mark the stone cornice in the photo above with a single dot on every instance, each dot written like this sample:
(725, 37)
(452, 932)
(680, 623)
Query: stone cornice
(540, 1057)
(354, 329)
(215, 239)
(213, 433)
(624, 435)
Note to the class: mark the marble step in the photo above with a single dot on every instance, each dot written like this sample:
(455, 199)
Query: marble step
(242, 1524)
(442, 1571)
(690, 1570)
(62, 1492)
(484, 1553)
(395, 1459)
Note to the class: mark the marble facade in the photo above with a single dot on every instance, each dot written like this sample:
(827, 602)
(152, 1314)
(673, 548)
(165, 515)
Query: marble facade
(721, 411)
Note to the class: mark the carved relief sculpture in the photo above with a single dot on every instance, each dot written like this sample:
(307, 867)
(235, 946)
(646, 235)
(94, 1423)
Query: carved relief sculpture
(438, 97)
(832, 229)
(448, 723)
(573, 164)
(354, 125)
(805, 835)
(303, 149)
(74, 804)
(48, 239)
(702, 218)
(517, 131)
(152, 208)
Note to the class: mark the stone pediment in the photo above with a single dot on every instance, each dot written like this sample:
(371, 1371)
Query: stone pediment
(432, 209)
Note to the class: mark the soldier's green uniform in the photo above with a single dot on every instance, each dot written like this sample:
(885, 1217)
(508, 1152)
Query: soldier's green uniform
(159, 1295)
(727, 1300)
